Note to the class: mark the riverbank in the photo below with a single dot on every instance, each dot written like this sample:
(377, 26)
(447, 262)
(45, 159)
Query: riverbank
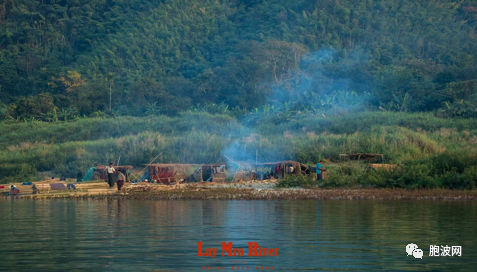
(242, 192)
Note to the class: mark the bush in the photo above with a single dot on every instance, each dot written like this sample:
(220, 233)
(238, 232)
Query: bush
(346, 175)
(17, 173)
(297, 181)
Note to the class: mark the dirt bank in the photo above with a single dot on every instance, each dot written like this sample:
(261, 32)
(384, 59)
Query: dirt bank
(245, 192)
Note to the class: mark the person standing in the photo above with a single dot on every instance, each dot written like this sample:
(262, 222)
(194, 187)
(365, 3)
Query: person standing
(319, 170)
(111, 172)
(79, 176)
(121, 179)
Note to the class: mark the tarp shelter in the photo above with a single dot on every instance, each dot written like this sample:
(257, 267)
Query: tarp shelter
(167, 173)
(145, 177)
(100, 172)
(171, 173)
(269, 170)
(210, 172)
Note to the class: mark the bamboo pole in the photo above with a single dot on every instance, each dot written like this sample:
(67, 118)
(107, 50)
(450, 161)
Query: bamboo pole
(229, 159)
(142, 171)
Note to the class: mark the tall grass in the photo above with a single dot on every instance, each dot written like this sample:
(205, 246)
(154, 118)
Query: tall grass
(419, 142)
(89, 129)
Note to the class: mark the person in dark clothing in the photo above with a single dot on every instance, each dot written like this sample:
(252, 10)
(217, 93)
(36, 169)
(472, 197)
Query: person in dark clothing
(121, 179)
(111, 172)
(79, 176)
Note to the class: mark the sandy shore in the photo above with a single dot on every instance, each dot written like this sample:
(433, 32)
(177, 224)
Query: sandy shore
(258, 191)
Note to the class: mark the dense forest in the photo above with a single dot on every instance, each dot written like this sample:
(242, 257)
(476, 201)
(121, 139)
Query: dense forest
(64, 57)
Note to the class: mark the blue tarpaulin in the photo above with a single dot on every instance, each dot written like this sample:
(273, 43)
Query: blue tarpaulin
(144, 176)
(89, 174)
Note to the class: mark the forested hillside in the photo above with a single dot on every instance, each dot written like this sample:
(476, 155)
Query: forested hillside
(169, 56)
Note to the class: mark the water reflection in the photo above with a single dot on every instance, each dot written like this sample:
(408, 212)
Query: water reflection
(124, 235)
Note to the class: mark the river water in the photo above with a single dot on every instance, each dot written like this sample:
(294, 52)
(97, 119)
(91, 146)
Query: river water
(334, 235)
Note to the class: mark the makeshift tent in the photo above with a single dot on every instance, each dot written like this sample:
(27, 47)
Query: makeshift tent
(100, 172)
(172, 173)
(145, 177)
(167, 173)
(89, 174)
(210, 172)
(268, 170)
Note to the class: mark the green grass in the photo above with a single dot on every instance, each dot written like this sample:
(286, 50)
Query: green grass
(90, 129)
(433, 152)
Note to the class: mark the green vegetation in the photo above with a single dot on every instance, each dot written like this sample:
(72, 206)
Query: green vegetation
(60, 59)
(297, 181)
(84, 82)
(432, 152)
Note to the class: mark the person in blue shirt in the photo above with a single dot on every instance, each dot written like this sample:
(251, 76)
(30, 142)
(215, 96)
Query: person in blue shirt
(319, 170)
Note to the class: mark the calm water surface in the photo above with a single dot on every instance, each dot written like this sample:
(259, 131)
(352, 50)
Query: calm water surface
(128, 235)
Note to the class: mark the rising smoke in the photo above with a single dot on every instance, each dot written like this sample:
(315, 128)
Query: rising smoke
(324, 83)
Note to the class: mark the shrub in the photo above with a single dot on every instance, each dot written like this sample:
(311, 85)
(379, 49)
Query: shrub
(306, 181)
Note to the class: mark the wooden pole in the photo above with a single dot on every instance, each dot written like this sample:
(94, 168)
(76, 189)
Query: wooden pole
(256, 162)
(142, 171)
(229, 159)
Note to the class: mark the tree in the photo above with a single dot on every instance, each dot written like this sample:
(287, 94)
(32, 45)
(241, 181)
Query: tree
(71, 82)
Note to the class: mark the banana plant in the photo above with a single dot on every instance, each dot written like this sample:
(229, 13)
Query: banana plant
(402, 103)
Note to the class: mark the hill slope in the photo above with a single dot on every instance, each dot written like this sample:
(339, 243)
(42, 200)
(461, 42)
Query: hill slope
(166, 56)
